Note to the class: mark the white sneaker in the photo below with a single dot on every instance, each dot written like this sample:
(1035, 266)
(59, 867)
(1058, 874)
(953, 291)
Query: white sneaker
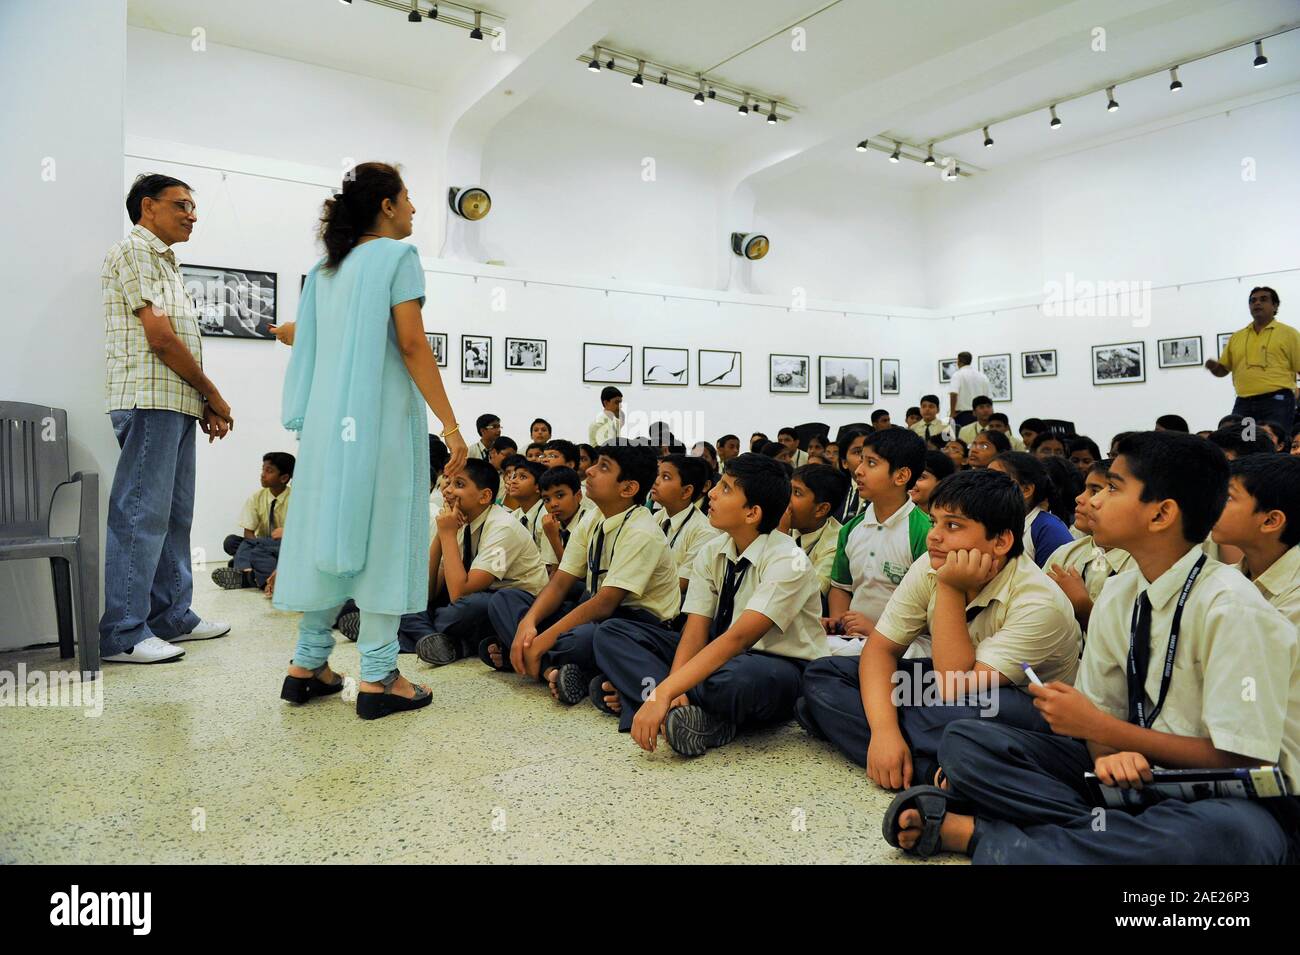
(150, 650)
(206, 630)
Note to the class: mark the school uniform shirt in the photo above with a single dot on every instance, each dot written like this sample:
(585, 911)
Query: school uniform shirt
(1094, 563)
(544, 547)
(927, 429)
(436, 504)
(634, 557)
(821, 546)
(1280, 584)
(1262, 362)
(686, 532)
(501, 547)
(799, 459)
(1235, 677)
(1025, 618)
(477, 450)
(257, 515)
(531, 519)
(774, 584)
(970, 432)
(1044, 534)
(872, 558)
(604, 429)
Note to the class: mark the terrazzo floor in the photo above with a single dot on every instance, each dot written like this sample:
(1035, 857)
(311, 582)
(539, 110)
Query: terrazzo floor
(199, 761)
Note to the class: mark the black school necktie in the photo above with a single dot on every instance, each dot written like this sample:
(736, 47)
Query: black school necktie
(668, 526)
(271, 518)
(564, 537)
(467, 549)
(727, 599)
(1141, 655)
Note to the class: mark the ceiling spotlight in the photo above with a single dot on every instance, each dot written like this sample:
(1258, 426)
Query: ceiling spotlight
(637, 80)
(750, 245)
(988, 140)
(951, 174)
(469, 202)
(771, 116)
(744, 106)
(477, 32)
(663, 79)
(1175, 84)
(609, 64)
(863, 146)
(894, 156)
(1111, 105)
(1056, 120)
(929, 155)
(1260, 58)
(414, 15)
(594, 65)
(432, 14)
(345, 1)
(699, 97)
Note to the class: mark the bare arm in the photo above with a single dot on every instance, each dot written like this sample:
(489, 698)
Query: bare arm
(166, 344)
(423, 368)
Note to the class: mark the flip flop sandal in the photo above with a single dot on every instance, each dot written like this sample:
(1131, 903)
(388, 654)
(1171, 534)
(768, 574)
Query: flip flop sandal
(302, 689)
(487, 659)
(371, 706)
(596, 693)
(933, 804)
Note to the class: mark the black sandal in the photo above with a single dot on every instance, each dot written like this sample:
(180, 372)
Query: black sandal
(371, 706)
(486, 658)
(596, 693)
(933, 804)
(303, 689)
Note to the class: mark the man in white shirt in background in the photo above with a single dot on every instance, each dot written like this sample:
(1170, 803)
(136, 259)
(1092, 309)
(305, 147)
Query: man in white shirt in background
(967, 382)
(610, 423)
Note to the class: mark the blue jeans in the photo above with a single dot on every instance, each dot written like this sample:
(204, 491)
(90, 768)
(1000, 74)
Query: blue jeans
(1278, 407)
(377, 641)
(148, 584)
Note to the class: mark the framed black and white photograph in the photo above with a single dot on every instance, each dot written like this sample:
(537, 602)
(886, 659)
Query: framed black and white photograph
(997, 368)
(232, 303)
(476, 359)
(844, 381)
(438, 345)
(788, 374)
(947, 368)
(665, 366)
(603, 363)
(1119, 364)
(719, 369)
(1223, 339)
(1037, 364)
(889, 376)
(525, 354)
(1179, 352)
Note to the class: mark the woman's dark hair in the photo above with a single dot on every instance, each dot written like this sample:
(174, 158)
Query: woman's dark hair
(1024, 468)
(350, 212)
(997, 439)
(1083, 443)
(939, 464)
(148, 186)
(1066, 482)
(439, 455)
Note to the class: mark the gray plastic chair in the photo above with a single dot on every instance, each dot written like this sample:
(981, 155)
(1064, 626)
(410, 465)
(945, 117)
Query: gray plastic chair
(33, 466)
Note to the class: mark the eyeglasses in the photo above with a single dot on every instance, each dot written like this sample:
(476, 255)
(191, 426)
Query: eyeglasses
(185, 205)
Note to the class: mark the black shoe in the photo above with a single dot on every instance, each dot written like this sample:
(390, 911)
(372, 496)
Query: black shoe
(438, 649)
(690, 730)
(572, 683)
(304, 689)
(372, 706)
(350, 624)
(805, 719)
(227, 578)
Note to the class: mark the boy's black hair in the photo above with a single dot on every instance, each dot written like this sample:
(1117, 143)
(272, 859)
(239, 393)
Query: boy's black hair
(933, 399)
(1027, 469)
(535, 468)
(1114, 442)
(914, 410)
(772, 449)
(148, 186)
(1229, 419)
(766, 484)
(757, 440)
(1233, 439)
(1000, 416)
(439, 455)
(513, 461)
(878, 414)
(901, 448)
(989, 498)
(1273, 480)
(537, 421)
(728, 437)
(939, 464)
(1101, 466)
(636, 462)
(1189, 470)
(282, 461)
(555, 477)
(503, 443)
(608, 393)
(1067, 482)
(965, 448)
(568, 450)
(827, 484)
(1082, 443)
(790, 431)
(1032, 424)
(1044, 436)
(1173, 422)
(539, 445)
(485, 420)
(591, 452)
(1284, 434)
(997, 439)
(483, 475)
(691, 470)
(982, 400)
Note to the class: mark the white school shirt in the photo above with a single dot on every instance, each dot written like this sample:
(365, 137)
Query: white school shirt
(872, 558)
(1095, 563)
(1236, 678)
(634, 557)
(1280, 584)
(502, 548)
(775, 584)
(688, 530)
(604, 429)
(820, 546)
(544, 547)
(968, 383)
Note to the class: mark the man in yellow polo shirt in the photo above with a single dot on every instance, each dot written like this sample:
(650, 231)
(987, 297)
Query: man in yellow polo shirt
(1264, 359)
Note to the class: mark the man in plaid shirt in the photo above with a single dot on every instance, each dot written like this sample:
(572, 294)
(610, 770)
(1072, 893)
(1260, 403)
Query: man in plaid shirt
(156, 391)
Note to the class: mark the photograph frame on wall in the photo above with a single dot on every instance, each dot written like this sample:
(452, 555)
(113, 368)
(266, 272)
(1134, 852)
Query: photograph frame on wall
(836, 367)
(479, 349)
(947, 368)
(788, 374)
(891, 376)
(604, 363)
(1184, 351)
(1221, 340)
(232, 303)
(1039, 363)
(718, 368)
(438, 345)
(997, 369)
(528, 354)
(667, 367)
(1123, 368)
